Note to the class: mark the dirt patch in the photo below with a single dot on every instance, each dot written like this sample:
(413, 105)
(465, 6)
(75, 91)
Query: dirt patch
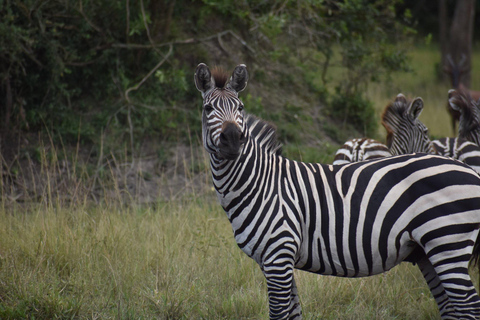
(38, 173)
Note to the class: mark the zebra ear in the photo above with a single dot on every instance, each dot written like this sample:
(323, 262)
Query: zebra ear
(455, 100)
(415, 108)
(400, 98)
(203, 79)
(239, 78)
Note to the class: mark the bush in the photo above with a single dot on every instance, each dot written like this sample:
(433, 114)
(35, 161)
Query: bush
(67, 65)
(354, 110)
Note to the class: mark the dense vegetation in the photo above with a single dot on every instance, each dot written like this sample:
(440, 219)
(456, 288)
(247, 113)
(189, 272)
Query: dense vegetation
(77, 67)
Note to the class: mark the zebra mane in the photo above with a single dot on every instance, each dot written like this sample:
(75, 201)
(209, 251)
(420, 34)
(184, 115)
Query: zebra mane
(220, 76)
(469, 110)
(393, 112)
(264, 133)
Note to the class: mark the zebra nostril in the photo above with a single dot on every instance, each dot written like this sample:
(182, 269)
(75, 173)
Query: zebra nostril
(230, 135)
(223, 138)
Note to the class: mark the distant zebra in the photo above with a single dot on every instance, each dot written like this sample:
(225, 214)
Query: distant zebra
(352, 220)
(359, 150)
(469, 124)
(407, 134)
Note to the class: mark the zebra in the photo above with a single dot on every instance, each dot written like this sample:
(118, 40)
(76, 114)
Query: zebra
(355, 150)
(352, 220)
(469, 124)
(407, 134)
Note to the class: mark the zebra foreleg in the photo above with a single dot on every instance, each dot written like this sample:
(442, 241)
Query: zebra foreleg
(282, 292)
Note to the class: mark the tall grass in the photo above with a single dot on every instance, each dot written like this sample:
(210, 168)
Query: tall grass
(168, 261)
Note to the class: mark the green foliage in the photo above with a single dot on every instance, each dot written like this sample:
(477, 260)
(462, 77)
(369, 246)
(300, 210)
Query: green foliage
(355, 110)
(68, 66)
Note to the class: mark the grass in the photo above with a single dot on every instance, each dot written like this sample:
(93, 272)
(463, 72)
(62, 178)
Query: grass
(168, 261)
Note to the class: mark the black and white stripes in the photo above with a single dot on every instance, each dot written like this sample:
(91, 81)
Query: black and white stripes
(407, 134)
(362, 149)
(349, 220)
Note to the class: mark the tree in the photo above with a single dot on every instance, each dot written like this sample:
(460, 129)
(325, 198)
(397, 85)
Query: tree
(456, 45)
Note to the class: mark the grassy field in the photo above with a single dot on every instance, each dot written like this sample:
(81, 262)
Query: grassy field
(169, 261)
(178, 259)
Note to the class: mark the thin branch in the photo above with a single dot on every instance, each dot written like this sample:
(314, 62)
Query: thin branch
(148, 75)
(127, 30)
(81, 64)
(145, 23)
(148, 30)
(220, 43)
(29, 53)
(130, 126)
(186, 41)
(80, 9)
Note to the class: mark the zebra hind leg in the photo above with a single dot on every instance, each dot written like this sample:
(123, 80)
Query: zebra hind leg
(435, 286)
(447, 268)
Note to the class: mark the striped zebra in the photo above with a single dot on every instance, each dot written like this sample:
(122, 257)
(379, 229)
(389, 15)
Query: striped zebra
(469, 124)
(407, 134)
(352, 220)
(355, 150)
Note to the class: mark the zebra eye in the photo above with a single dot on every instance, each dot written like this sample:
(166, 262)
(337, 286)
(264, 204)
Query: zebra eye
(208, 108)
(240, 107)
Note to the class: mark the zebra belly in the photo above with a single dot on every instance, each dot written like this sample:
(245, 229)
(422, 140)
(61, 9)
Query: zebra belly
(343, 263)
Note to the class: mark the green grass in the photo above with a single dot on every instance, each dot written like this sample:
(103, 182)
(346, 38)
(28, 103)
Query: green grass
(175, 261)
(168, 261)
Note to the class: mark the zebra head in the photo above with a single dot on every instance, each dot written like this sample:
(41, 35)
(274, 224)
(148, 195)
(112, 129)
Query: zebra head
(223, 126)
(405, 132)
(469, 124)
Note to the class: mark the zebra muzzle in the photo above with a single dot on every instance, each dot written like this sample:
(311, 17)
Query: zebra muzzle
(231, 140)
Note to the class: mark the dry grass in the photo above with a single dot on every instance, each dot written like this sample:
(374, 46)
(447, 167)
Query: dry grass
(171, 261)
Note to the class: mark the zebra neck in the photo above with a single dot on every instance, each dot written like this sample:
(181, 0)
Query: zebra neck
(234, 179)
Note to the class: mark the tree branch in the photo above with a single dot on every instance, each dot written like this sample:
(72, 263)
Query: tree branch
(180, 42)
(90, 23)
(138, 85)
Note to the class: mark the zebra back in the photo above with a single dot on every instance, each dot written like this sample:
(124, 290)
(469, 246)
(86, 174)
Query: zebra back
(355, 150)
(469, 124)
(459, 149)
